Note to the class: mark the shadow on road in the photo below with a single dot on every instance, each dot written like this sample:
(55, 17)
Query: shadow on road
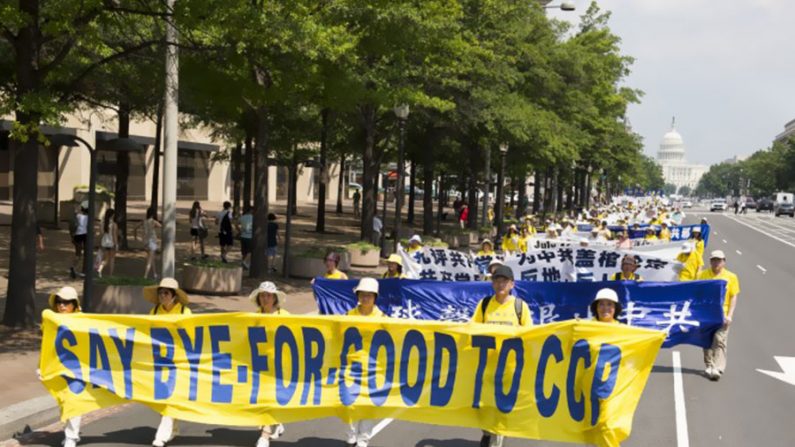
(669, 369)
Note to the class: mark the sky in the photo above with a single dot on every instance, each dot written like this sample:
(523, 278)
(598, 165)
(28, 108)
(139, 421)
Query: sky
(725, 69)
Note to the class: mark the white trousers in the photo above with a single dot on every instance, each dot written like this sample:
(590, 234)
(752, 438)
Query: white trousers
(360, 432)
(72, 429)
(166, 430)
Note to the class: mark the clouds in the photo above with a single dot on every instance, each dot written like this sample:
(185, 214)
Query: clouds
(725, 69)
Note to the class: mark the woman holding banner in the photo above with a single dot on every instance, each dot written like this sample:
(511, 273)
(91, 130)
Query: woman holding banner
(169, 300)
(605, 307)
(359, 432)
(510, 242)
(269, 300)
(486, 249)
(394, 267)
(689, 258)
(65, 301)
(698, 245)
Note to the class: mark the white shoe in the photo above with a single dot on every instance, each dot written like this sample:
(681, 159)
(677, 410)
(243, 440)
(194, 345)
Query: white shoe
(278, 432)
(263, 442)
(158, 443)
(69, 442)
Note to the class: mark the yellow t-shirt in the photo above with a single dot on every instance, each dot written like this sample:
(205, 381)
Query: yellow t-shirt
(375, 313)
(413, 250)
(503, 314)
(732, 285)
(524, 243)
(396, 275)
(178, 309)
(690, 269)
(651, 237)
(665, 235)
(486, 253)
(510, 243)
(612, 322)
(278, 312)
(336, 275)
(700, 253)
(619, 276)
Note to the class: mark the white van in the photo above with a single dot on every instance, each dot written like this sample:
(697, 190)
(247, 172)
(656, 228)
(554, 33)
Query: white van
(782, 197)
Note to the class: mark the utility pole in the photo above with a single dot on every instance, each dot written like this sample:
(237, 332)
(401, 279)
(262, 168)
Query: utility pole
(170, 137)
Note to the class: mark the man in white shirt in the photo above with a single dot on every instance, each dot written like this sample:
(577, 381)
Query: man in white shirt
(378, 226)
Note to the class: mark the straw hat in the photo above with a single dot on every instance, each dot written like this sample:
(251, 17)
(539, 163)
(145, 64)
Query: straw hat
(396, 259)
(150, 292)
(65, 293)
(267, 287)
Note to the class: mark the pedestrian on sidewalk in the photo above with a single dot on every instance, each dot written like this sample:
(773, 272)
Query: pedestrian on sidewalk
(66, 301)
(273, 241)
(108, 243)
(170, 300)
(269, 300)
(357, 198)
(225, 236)
(198, 229)
(463, 216)
(150, 225)
(378, 227)
(715, 355)
(79, 229)
(359, 432)
(245, 225)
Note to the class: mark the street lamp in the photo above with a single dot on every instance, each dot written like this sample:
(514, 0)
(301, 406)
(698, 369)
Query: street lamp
(564, 6)
(500, 199)
(117, 144)
(402, 113)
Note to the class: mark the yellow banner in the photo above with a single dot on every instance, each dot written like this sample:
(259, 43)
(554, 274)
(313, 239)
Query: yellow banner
(575, 381)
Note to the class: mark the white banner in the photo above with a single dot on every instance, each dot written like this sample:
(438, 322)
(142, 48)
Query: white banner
(440, 264)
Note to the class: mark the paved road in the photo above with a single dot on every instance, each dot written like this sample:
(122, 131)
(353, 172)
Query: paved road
(746, 408)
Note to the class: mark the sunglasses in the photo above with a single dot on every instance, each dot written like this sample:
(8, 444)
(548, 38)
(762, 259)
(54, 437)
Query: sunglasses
(59, 301)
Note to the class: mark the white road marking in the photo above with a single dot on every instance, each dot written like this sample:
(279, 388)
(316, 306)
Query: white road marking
(761, 268)
(739, 252)
(381, 425)
(787, 365)
(724, 241)
(715, 233)
(766, 234)
(682, 439)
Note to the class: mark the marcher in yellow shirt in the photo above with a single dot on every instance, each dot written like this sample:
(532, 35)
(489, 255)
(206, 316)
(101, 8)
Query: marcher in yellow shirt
(332, 262)
(504, 309)
(651, 235)
(689, 258)
(629, 265)
(170, 300)
(715, 356)
(525, 239)
(394, 267)
(359, 432)
(698, 245)
(66, 301)
(510, 242)
(415, 244)
(269, 300)
(486, 248)
(665, 233)
(605, 307)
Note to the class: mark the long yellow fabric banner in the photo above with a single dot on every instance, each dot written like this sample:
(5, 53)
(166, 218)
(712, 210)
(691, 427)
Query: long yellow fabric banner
(575, 381)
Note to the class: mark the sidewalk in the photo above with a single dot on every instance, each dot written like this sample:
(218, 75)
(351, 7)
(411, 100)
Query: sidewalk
(24, 402)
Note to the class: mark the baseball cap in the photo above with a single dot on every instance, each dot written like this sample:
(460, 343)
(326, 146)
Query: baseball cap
(503, 271)
(717, 254)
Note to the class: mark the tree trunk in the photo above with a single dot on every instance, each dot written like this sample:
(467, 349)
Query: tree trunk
(20, 309)
(341, 184)
(122, 177)
(320, 226)
(412, 191)
(288, 226)
(236, 177)
(538, 179)
(475, 166)
(259, 258)
(153, 201)
(521, 207)
(441, 201)
(247, 162)
(292, 201)
(370, 168)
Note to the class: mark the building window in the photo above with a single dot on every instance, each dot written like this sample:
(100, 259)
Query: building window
(136, 181)
(193, 174)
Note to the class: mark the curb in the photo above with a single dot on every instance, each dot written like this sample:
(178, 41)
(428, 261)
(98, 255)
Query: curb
(27, 415)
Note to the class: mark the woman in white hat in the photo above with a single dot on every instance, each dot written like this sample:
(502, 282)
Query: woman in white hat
(65, 301)
(689, 258)
(394, 267)
(510, 242)
(698, 245)
(269, 300)
(605, 307)
(486, 248)
(415, 244)
(168, 299)
(359, 432)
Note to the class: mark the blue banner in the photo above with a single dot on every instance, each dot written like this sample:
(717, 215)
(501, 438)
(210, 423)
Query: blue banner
(689, 312)
(678, 233)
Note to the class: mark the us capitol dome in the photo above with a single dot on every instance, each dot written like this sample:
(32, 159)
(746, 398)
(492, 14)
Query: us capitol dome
(671, 158)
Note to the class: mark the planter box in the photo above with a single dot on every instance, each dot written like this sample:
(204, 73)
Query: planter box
(212, 281)
(119, 300)
(345, 261)
(362, 259)
(309, 268)
(473, 238)
(452, 241)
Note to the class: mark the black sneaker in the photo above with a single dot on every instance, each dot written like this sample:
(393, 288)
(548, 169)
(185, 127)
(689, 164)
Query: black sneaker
(72, 273)
(485, 440)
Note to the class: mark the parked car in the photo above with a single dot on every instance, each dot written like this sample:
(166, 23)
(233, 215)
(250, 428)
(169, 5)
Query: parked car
(764, 204)
(784, 208)
(718, 205)
(687, 204)
(750, 203)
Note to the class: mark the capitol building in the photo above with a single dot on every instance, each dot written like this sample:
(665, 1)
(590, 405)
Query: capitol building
(671, 158)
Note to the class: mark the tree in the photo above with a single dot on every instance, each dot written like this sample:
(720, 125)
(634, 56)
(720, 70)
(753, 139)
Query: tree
(684, 190)
(668, 189)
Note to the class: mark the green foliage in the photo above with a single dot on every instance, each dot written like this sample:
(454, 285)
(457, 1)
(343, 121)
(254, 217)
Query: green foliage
(361, 246)
(669, 189)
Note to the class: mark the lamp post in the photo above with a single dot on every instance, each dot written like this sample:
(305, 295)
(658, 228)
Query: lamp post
(402, 113)
(500, 199)
(486, 190)
(119, 145)
(564, 6)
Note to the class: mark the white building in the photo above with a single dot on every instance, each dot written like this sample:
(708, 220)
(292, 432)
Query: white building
(671, 158)
(789, 132)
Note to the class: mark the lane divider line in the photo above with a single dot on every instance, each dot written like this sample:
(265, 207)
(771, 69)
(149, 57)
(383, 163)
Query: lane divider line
(766, 234)
(739, 252)
(381, 425)
(682, 439)
(761, 268)
(724, 241)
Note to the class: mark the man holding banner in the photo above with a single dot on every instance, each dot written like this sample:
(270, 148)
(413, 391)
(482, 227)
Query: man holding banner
(504, 309)
(715, 355)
